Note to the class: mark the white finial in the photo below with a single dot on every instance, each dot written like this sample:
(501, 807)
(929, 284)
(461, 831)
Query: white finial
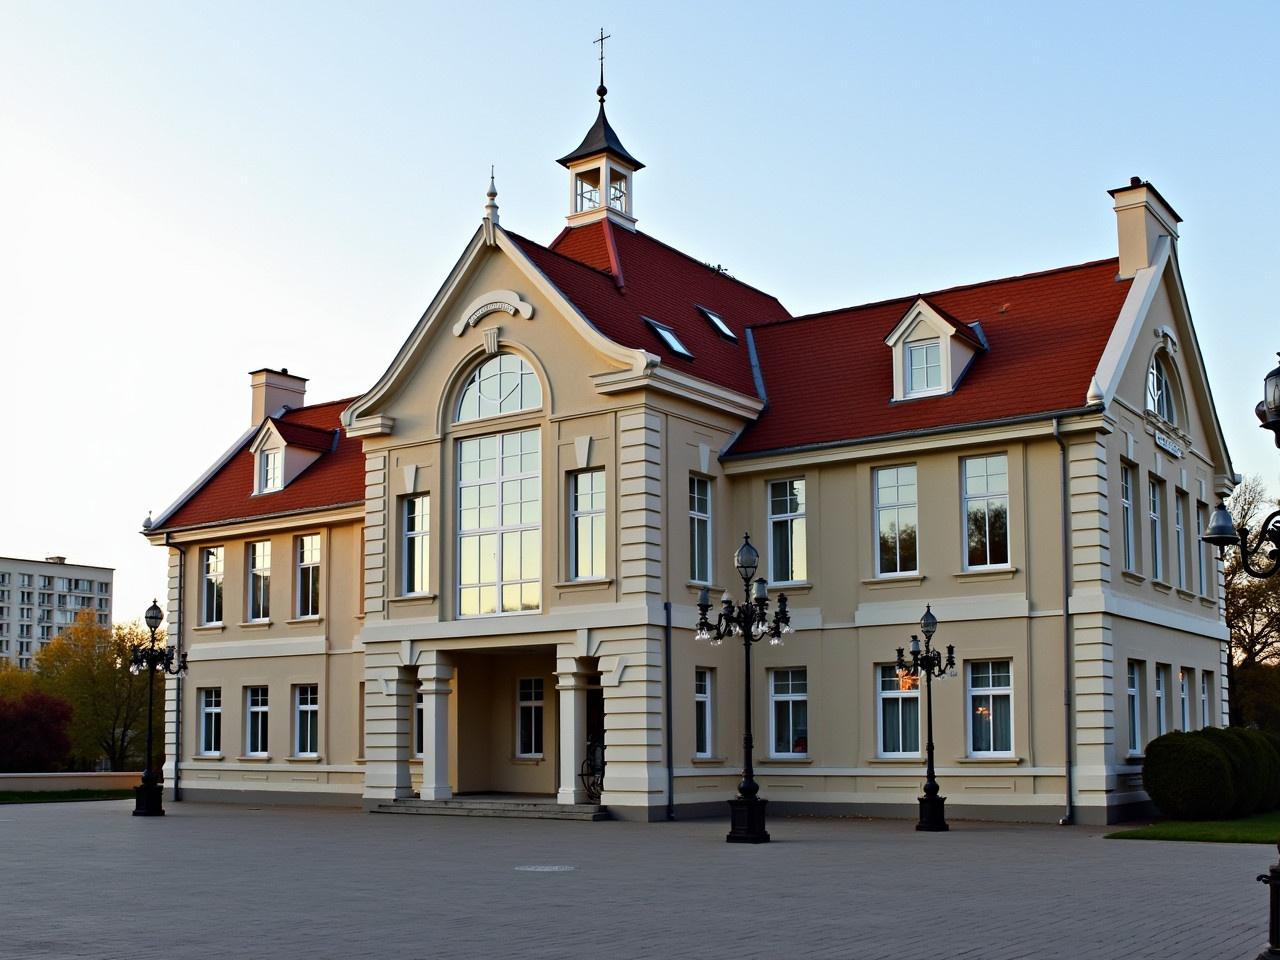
(1095, 394)
(491, 207)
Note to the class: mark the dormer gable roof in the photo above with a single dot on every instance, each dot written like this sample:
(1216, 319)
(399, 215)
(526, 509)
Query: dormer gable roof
(923, 306)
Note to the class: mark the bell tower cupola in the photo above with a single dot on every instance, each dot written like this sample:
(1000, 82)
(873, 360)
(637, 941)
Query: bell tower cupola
(601, 171)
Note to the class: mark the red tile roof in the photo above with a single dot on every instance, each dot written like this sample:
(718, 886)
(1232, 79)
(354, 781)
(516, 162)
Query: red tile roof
(617, 277)
(829, 376)
(300, 435)
(334, 479)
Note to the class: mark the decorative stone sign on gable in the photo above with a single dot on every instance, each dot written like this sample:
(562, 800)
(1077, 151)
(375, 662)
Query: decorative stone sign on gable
(1167, 444)
(495, 301)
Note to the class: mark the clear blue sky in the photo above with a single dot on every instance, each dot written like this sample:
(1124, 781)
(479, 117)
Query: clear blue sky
(190, 191)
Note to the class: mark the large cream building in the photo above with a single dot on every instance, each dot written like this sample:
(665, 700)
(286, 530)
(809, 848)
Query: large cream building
(474, 576)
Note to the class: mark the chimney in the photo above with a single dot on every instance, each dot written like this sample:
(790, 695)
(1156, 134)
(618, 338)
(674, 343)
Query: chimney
(273, 389)
(1142, 218)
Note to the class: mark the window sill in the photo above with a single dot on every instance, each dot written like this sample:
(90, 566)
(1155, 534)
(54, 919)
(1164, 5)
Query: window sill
(414, 598)
(528, 761)
(895, 761)
(986, 573)
(584, 584)
(709, 761)
(1138, 758)
(791, 586)
(208, 628)
(1132, 577)
(1162, 586)
(256, 758)
(255, 624)
(890, 580)
(1186, 595)
(298, 620)
(790, 761)
(306, 758)
(1208, 602)
(208, 757)
(1002, 761)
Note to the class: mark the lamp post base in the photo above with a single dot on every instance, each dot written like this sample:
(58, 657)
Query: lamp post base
(149, 800)
(746, 820)
(933, 814)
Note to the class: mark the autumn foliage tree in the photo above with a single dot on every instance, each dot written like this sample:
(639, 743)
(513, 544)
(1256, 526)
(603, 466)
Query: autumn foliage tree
(1253, 619)
(88, 667)
(34, 726)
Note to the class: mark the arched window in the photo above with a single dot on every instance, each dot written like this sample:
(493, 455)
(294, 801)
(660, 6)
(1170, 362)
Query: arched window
(1160, 391)
(502, 384)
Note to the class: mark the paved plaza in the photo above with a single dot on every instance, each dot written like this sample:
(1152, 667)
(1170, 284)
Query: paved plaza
(215, 881)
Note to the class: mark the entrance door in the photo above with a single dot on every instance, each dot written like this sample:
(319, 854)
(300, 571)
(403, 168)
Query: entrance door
(592, 772)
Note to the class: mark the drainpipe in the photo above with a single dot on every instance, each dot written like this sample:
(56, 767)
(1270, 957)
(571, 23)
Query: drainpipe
(177, 641)
(671, 770)
(1068, 817)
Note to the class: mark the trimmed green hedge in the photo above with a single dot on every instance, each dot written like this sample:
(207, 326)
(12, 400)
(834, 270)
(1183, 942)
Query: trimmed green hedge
(1213, 774)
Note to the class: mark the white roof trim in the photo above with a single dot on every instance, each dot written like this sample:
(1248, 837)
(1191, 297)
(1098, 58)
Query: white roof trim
(1129, 322)
(204, 478)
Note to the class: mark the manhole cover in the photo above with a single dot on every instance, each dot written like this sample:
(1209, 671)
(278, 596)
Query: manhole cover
(546, 868)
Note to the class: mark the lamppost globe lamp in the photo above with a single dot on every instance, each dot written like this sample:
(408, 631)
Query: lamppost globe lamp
(154, 617)
(746, 559)
(1268, 409)
(151, 658)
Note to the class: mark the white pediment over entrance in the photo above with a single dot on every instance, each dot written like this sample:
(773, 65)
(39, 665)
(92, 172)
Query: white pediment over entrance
(494, 301)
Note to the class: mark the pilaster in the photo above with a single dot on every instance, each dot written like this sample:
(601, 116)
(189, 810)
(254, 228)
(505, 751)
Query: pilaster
(434, 675)
(388, 706)
(632, 676)
(375, 535)
(571, 684)
(640, 503)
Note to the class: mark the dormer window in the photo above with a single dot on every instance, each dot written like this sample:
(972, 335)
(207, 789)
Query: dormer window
(587, 190)
(718, 322)
(924, 367)
(1160, 400)
(269, 474)
(668, 337)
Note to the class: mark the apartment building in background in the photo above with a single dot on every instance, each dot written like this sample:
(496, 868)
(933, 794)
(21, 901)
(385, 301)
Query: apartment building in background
(39, 599)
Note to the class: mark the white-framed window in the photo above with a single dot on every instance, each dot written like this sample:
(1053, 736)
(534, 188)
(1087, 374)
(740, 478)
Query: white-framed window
(529, 706)
(418, 736)
(788, 543)
(417, 543)
(586, 190)
(1162, 706)
(986, 510)
(1134, 689)
(586, 525)
(211, 720)
(499, 524)
(1159, 392)
(1126, 513)
(898, 696)
(669, 338)
(1184, 698)
(1206, 719)
(789, 713)
(617, 190)
(1155, 498)
(896, 514)
(924, 367)
(502, 384)
(268, 471)
(990, 708)
(256, 717)
(259, 581)
(212, 566)
(1202, 550)
(717, 321)
(702, 712)
(699, 529)
(306, 720)
(308, 586)
(1180, 536)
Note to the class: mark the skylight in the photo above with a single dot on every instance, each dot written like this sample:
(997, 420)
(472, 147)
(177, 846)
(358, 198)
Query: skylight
(718, 322)
(669, 337)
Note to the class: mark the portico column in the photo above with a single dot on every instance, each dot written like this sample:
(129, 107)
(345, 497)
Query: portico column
(434, 673)
(388, 704)
(571, 683)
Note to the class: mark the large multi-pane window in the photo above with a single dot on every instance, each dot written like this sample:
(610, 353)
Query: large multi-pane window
(702, 712)
(1155, 497)
(212, 564)
(924, 366)
(306, 720)
(1162, 705)
(210, 699)
(1180, 536)
(417, 542)
(586, 525)
(1159, 393)
(529, 706)
(1126, 513)
(308, 585)
(986, 510)
(260, 580)
(787, 540)
(990, 708)
(896, 520)
(502, 384)
(899, 699)
(699, 529)
(1133, 688)
(499, 524)
(256, 716)
(789, 713)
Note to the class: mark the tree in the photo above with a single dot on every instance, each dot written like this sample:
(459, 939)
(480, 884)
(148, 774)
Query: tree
(1252, 606)
(88, 666)
(34, 733)
(14, 682)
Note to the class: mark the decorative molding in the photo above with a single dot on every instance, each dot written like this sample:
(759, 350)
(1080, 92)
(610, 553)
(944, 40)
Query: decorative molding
(491, 339)
(495, 301)
(582, 450)
(410, 477)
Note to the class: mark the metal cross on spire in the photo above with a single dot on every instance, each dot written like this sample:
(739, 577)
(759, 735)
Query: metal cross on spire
(602, 89)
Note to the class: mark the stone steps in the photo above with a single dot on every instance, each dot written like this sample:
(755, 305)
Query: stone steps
(512, 809)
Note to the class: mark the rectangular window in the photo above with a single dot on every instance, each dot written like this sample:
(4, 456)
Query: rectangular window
(417, 726)
(1126, 513)
(1135, 707)
(255, 722)
(417, 542)
(529, 718)
(899, 699)
(1180, 536)
(896, 520)
(24, 579)
(499, 524)
(924, 367)
(104, 587)
(702, 712)
(306, 721)
(1162, 722)
(1184, 698)
(986, 509)
(268, 471)
(1205, 719)
(211, 565)
(990, 708)
(587, 525)
(259, 581)
(1202, 551)
(308, 576)
(1155, 497)
(789, 713)
(787, 541)
(211, 720)
(699, 529)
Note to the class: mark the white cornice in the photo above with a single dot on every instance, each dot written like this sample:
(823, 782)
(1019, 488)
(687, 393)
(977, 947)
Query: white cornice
(1129, 322)
(673, 382)
(250, 526)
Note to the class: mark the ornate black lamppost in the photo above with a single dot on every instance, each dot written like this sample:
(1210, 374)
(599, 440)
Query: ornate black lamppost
(750, 621)
(931, 664)
(150, 658)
